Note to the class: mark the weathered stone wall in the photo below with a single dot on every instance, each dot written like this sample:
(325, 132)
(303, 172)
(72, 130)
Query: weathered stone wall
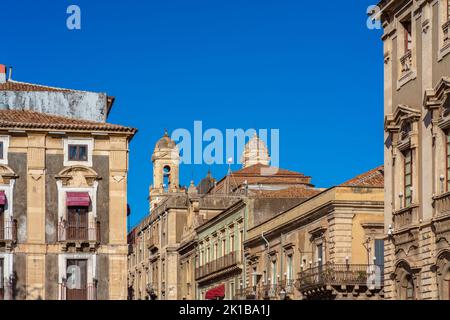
(51, 277)
(74, 104)
(18, 163)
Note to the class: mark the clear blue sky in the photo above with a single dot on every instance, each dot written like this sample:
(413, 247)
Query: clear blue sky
(313, 70)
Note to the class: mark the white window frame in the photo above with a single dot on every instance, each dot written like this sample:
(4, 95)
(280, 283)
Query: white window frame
(62, 201)
(5, 141)
(8, 213)
(78, 141)
(7, 271)
(91, 266)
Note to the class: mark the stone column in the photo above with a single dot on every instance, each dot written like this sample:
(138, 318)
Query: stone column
(118, 163)
(35, 260)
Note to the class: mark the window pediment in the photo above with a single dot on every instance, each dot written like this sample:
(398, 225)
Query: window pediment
(78, 176)
(438, 99)
(6, 174)
(403, 114)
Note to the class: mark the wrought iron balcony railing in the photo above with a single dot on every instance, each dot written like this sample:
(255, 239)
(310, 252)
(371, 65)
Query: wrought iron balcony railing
(8, 230)
(228, 260)
(74, 232)
(88, 292)
(341, 274)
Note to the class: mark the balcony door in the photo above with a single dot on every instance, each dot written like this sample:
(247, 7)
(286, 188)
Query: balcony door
(77, 223)
(77, 288)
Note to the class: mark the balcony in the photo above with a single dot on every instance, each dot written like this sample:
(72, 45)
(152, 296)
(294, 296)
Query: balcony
(79, 234)
(89, 292)
(406, 217)
(228, 261)
(339, 275)
(153, 242)
(442, 204)
(8, 232)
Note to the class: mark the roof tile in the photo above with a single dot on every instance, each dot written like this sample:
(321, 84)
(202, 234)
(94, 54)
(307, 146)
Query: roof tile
(26, 119)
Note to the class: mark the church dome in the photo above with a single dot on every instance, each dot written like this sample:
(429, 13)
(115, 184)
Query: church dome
(206, 184)
(165, 142)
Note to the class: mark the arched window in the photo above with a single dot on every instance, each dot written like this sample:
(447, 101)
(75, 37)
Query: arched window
(405, 282)
(446, 285)
(443, 275)
(166, 177)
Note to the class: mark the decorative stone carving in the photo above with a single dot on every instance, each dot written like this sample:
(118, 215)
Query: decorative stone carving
(78, 176)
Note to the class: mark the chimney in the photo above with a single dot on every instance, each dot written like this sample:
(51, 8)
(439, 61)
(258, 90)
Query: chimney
(2, 73)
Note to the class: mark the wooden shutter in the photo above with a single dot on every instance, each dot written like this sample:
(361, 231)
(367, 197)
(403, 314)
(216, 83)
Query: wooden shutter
(379, 252)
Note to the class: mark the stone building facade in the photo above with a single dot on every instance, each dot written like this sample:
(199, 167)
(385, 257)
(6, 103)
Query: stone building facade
(328, 247)
(63, 202)
(154, 260)
(190, 246)
(416, 149)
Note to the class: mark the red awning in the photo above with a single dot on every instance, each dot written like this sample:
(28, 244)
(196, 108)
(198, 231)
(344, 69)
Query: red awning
(215, 293)
(2, 198)
(78, 199)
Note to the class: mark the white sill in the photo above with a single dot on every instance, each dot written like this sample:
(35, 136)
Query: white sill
(70, 163)
(409, 76)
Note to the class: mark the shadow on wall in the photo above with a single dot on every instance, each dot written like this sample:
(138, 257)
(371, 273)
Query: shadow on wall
(20, 292)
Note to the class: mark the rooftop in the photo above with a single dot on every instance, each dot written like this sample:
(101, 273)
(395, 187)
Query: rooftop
(371, 178)
(25, 119)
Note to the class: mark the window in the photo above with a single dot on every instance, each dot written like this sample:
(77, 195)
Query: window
(408, 177)
(241, 239)
(223, 247)
(231, 243)
(216, 251)
(77, 223)
(407, 29)
(409, 287)
(4, 143)
(448, 157)
(274, 272)
(231, 290)
(77, 279)
(379, 253)
(78, 152)
(289, 268)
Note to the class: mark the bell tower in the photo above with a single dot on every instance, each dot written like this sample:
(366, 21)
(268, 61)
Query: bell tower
(255, 152)
(166, 161)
